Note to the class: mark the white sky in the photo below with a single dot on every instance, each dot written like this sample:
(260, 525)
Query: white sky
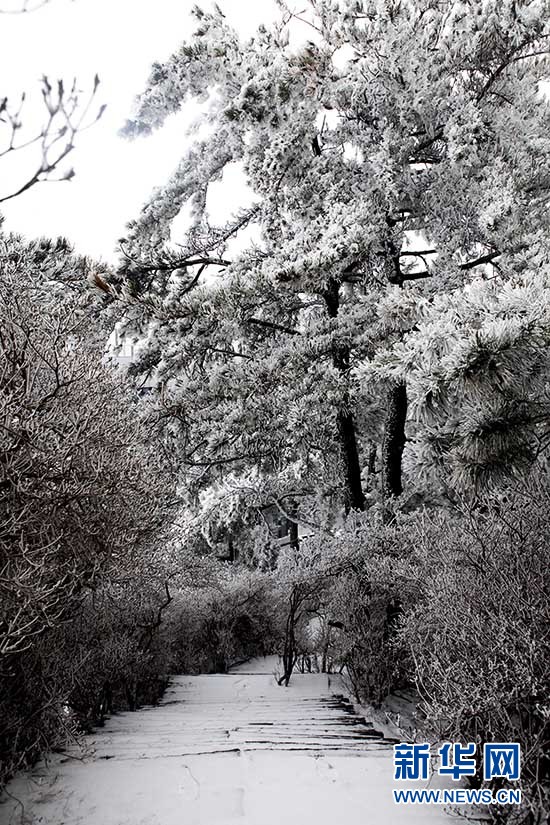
(118, 39)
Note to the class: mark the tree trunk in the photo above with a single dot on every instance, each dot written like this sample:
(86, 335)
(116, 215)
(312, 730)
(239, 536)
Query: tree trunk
(293, 535)
(289, 652)
(372, 459)
(394, 441)
(292, 526)
(354, 497)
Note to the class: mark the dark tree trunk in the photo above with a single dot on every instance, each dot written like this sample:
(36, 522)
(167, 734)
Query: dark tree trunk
(394, 441)
(290, 654)
(292, 526)
(293, 535)
(354, 497)
(372, 459)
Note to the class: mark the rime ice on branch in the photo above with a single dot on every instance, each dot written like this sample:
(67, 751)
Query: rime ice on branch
(398, 169)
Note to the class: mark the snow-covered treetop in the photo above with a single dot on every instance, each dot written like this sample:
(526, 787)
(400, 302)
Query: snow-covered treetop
(395, 153)
(393, 117)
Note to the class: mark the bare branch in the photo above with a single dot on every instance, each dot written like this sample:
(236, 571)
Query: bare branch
(64, 119)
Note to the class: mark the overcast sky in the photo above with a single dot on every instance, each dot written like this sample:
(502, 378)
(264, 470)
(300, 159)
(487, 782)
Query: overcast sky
(118, 39)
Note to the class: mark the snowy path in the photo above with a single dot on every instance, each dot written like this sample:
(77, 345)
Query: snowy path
(223, 750)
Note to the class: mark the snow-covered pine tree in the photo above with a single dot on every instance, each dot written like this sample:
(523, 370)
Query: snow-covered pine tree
(477, 367)
(396, 156)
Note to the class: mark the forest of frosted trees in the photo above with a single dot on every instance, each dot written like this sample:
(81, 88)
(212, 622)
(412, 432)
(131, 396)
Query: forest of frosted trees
(332, 440)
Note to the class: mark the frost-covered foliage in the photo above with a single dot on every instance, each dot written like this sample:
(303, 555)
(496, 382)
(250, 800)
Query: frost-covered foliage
(479, 632)
(364, 606)
(453, 603)
(477, 371)
(82, 492)
(338, 595)
(231, 618)
(302, 581)
(68, 502)
(395, 163)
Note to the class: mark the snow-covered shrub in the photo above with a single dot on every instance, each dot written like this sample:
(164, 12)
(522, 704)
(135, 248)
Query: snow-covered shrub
(365, 600)
(339, 594)
(479, 635)
(95, 663)
(229, 620)
(82, 493)
(365, 614)
(124, 661)
(304, 573)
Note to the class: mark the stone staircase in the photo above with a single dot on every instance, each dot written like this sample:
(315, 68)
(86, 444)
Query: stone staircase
(240, 712)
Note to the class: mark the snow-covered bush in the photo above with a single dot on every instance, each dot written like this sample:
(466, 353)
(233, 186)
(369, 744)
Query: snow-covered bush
(73, 675)
(479, 634)
(365, 614)
(82, 493)
(370, 581)
(304, 573)
(231, 619)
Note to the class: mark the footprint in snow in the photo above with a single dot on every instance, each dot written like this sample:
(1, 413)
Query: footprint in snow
(325, 769)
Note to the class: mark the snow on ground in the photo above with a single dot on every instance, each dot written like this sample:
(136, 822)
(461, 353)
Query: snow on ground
(222, 750)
